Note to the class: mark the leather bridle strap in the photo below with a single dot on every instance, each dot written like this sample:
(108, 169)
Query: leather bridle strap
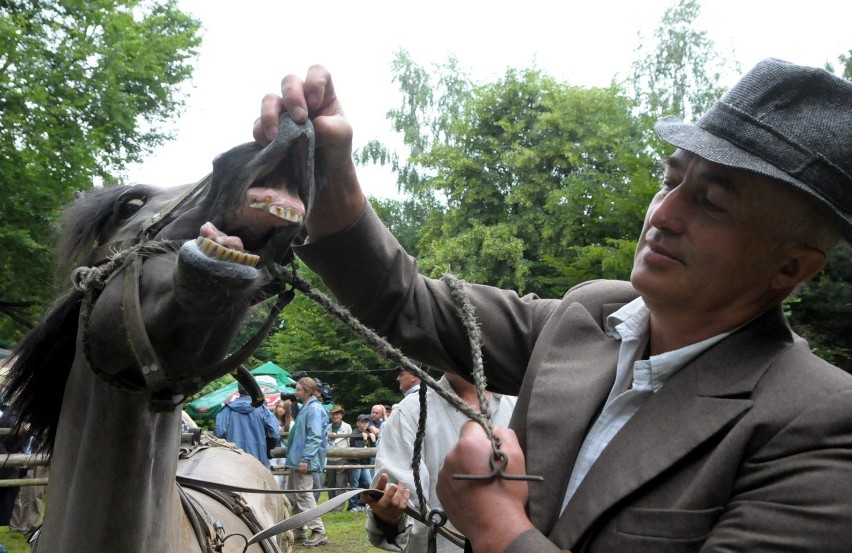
(155, 377)
(149, 230)
(159, 219)
(201, 525)
(140, 344)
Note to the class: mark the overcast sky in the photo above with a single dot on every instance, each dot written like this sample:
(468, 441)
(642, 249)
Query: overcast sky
(248, 46)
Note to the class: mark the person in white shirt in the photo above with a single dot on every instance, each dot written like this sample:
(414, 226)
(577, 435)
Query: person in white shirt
(387, 526)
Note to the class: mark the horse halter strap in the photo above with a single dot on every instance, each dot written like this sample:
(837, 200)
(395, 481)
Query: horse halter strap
(155, 378)
(154, 225)
(129, 254)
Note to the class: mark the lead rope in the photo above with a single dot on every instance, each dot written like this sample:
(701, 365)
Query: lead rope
(379, 344)
(499, 460)
(436, 517)
(418, 449)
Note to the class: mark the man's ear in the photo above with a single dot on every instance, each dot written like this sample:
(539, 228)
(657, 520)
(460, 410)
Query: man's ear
(803, 262)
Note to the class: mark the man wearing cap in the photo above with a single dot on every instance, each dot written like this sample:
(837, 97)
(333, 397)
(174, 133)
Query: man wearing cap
(675, 412)
(361, 477)
(337, 478)
(408, 382)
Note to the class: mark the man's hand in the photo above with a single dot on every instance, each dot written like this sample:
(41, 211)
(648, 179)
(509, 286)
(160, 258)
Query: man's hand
(390, 507)
(342, 201)
(491, 514)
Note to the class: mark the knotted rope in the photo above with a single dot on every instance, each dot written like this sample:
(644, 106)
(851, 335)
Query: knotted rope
(89, 279)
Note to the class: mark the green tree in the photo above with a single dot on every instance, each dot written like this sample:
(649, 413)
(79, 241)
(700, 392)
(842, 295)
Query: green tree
(525, 173)
(845, 65)
(821, 311)
(85, 85)
(678, 72)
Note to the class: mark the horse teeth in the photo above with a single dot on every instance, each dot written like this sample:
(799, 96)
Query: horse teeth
(286, 213)
(221, 253)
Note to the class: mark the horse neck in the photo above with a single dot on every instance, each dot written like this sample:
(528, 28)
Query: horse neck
(112, 474)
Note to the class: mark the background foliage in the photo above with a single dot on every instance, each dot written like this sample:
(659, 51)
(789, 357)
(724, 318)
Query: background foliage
(523, 182)
(84, 85)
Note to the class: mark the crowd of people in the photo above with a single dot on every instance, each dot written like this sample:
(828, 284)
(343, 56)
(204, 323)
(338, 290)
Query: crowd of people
(306, 430)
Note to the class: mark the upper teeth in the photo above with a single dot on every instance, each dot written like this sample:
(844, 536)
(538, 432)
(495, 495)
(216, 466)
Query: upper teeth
(286, 213)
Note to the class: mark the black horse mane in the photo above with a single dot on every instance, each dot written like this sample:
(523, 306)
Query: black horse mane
(42, 359)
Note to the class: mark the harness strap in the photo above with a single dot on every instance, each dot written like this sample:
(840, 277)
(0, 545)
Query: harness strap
(159, 219)
(137, 336)
(300, 519)
(239, 507)
(199, 520)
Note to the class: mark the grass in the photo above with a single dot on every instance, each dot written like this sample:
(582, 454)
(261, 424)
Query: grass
(345, 532)
(16, 542)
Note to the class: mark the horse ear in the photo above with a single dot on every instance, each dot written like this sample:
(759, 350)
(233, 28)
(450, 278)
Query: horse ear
(78, 194)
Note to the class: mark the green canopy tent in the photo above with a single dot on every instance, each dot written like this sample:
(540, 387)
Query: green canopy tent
(271, 378)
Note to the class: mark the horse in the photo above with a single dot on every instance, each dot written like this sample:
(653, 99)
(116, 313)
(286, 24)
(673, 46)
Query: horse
(166, 279)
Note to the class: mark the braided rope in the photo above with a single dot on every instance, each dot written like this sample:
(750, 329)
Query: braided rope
(381, 346)
(474, 335)
(418, 449)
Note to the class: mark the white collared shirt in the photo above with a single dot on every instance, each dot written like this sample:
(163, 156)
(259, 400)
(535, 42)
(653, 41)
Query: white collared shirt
(636, 380)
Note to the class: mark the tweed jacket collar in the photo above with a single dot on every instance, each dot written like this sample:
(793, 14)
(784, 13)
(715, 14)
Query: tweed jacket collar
(708, 394)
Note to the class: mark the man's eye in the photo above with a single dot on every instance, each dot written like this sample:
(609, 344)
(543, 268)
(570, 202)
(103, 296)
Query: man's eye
(668, 185)
(710, 205)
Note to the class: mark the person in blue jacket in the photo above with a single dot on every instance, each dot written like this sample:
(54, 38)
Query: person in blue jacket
(246, 426)
(305, 456)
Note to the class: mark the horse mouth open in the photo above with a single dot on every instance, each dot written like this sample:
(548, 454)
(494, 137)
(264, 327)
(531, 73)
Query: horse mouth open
(276, 191)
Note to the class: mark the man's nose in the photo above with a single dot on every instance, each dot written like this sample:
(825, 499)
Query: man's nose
(671, 211)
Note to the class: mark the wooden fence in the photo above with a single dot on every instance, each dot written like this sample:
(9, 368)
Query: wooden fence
(20, 460)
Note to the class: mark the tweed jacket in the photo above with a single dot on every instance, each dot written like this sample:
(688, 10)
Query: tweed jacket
(748, 448)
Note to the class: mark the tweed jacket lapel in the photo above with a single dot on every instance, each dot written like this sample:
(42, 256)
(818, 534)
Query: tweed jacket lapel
(573, 388)
(705, 397)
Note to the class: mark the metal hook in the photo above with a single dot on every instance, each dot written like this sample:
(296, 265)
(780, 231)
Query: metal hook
(498, 461)
(436, 519)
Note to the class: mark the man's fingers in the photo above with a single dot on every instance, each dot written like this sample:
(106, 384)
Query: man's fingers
(293, 98)
(319, 90)
(382, 482)
(266, 126)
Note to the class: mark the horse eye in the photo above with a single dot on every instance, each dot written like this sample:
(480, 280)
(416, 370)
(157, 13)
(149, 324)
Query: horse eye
(130, 207)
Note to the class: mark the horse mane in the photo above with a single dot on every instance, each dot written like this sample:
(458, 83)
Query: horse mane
(42, 359)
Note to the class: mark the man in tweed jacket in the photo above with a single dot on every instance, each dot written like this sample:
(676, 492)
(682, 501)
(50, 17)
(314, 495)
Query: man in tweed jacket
(690, 417)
